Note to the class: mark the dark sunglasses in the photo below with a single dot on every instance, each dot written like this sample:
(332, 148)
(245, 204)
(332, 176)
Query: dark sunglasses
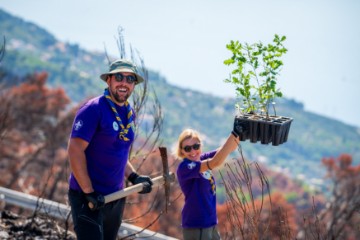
(119, 77)
(188, 148)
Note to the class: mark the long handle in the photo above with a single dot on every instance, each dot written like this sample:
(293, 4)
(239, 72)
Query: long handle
(136, 188)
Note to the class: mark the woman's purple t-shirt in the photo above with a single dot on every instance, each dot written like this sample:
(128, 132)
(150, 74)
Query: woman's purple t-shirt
(199, 189)
(106, 154)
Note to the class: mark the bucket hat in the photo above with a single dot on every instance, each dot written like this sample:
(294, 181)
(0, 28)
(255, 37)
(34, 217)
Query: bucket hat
(122, 65)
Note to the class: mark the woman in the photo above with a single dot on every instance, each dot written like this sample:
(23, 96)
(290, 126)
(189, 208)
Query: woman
(199, 218)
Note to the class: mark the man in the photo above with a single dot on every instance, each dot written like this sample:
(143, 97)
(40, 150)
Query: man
(99, 145)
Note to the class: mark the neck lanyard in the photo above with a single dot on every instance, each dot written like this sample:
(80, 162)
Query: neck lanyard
(124, 130)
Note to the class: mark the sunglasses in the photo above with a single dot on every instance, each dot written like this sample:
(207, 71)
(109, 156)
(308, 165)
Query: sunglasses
(188, 148)
(119, 77)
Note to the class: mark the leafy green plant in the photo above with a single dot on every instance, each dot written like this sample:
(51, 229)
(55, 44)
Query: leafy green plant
(256, 68)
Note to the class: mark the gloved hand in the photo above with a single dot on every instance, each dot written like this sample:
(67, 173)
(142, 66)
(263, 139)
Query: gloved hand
(96, 200)
(240, 126)
(135, 178)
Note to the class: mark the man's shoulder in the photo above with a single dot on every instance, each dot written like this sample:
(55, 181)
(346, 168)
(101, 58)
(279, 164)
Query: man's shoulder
(95, 101)
(92, 105)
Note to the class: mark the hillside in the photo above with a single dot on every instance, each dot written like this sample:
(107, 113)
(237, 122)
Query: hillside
(30, 48)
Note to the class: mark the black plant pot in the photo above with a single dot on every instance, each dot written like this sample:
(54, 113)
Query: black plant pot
(256, 128)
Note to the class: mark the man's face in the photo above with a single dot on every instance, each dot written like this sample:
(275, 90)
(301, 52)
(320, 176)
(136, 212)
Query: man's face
(121, 86)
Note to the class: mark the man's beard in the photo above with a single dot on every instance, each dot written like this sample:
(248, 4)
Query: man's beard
(118, 98)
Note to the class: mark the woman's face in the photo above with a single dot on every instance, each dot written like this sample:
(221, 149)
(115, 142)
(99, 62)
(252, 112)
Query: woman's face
(191, 149)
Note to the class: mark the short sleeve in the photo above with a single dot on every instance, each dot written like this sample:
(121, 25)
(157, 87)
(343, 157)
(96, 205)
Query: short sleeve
(188, 169)
(86, 122)
(207, 155)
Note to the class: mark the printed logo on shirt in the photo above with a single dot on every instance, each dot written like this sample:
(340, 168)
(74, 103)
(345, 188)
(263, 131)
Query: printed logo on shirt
(78, 124)
(209, 176)
(115, 126)
(191, 165)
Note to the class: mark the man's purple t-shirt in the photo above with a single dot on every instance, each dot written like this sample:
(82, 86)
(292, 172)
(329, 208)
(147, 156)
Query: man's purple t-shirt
(106, 154)
(199, 189)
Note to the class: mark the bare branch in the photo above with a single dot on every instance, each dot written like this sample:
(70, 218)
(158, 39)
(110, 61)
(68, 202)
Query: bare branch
(2, 50)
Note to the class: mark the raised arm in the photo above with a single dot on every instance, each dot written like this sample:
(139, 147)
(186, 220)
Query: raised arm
(228, 147)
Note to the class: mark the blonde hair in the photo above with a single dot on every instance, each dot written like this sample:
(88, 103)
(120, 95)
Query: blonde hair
(185, 134)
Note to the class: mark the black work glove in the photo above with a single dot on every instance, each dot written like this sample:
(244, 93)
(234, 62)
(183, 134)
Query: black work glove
(241, 126)
(96, 200)
(135, 178)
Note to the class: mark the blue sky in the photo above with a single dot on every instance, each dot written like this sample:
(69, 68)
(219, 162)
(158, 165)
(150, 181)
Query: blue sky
(185, 41)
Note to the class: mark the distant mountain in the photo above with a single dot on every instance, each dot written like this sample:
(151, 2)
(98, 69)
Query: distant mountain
(30, 48)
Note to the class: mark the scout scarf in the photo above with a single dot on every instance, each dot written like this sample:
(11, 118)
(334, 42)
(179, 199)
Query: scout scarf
(124, 130)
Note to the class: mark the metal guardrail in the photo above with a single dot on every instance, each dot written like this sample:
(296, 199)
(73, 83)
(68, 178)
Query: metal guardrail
(62, 211)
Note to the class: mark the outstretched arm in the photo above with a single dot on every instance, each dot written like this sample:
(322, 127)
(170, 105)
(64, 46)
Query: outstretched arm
(129, 169)
(135, 178)
(228, 147)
